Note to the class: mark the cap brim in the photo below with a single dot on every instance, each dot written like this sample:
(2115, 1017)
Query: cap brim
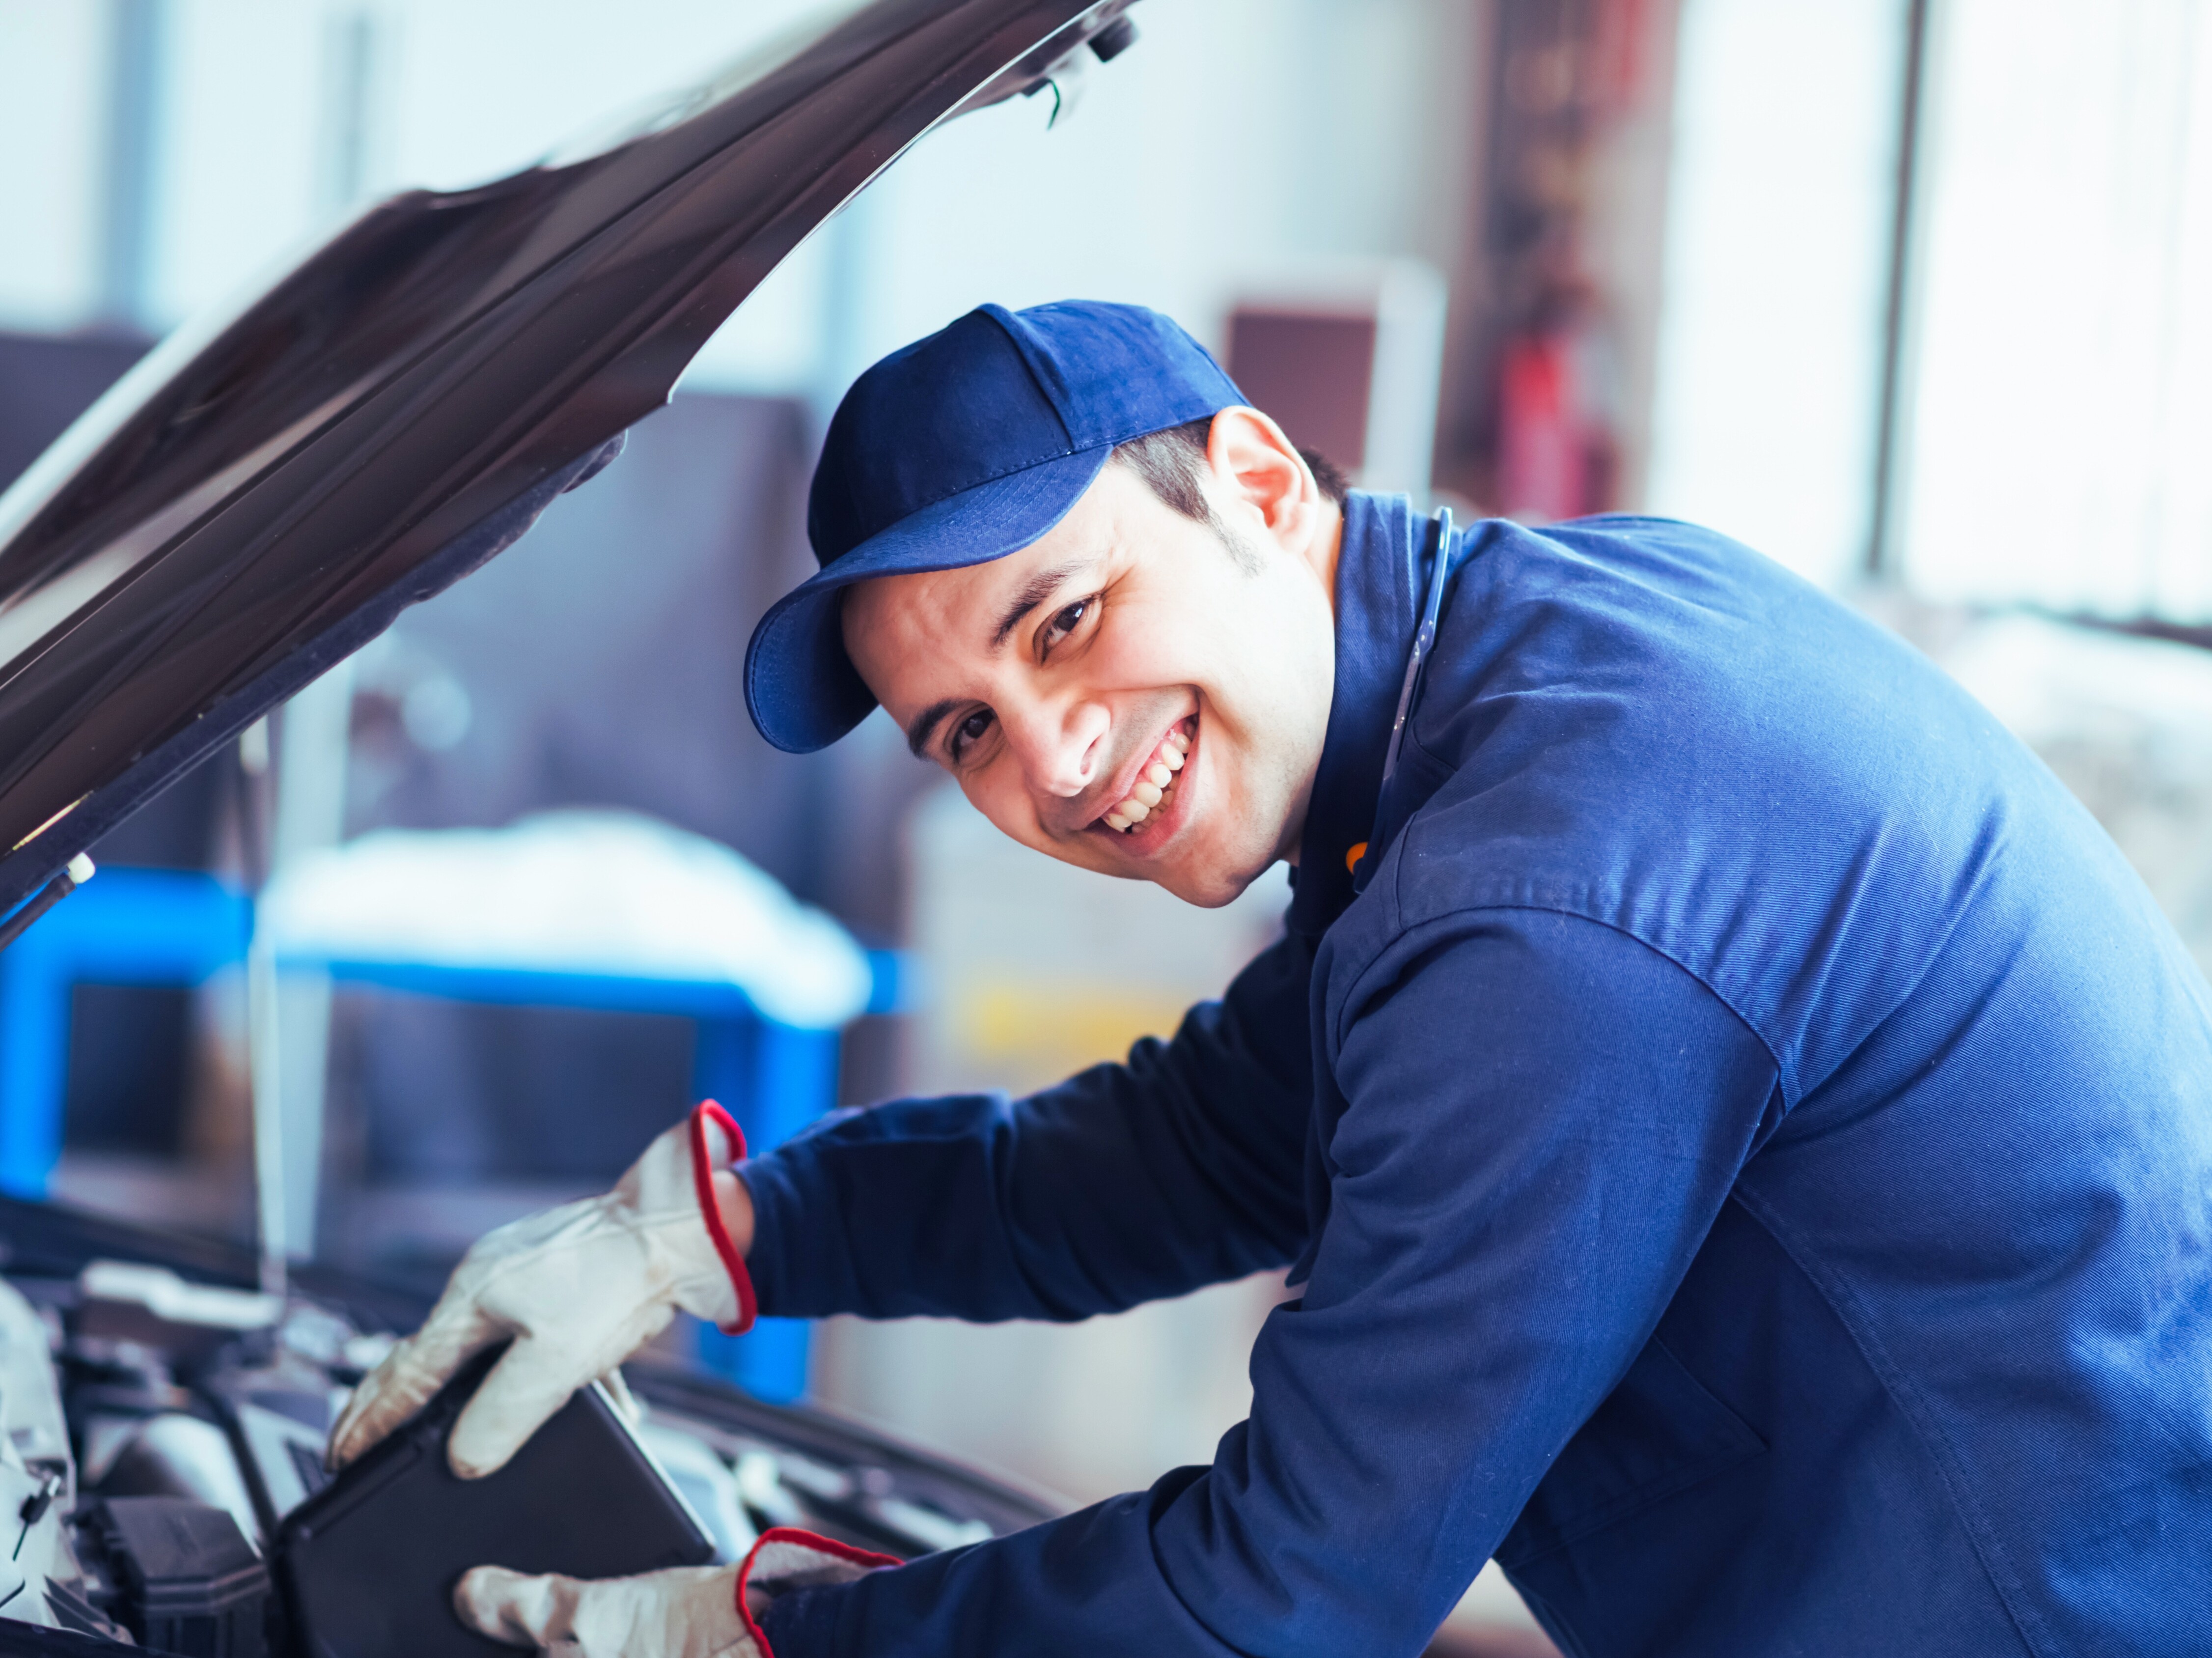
(801, 688)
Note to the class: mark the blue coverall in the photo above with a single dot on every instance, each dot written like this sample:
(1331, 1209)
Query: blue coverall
(1744, 1138)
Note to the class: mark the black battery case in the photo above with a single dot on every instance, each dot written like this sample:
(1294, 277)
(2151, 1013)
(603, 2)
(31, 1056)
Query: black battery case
(368, 1564)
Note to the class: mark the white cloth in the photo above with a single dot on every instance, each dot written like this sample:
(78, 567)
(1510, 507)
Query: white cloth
(582, 891)
(578, 1288)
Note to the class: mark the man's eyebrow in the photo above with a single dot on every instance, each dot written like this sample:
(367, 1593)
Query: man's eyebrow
(919, 734)
(1039, 588)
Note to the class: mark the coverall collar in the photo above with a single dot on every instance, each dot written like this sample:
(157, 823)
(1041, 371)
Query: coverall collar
(1377, 610)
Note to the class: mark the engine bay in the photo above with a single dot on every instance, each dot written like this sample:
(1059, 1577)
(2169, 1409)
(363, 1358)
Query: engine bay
(158, 1428)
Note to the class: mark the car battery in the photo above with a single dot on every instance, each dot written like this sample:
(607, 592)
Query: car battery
(369, 1563)
(179, 1576)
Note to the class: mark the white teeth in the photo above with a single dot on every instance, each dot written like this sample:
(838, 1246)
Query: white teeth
(1153, 784)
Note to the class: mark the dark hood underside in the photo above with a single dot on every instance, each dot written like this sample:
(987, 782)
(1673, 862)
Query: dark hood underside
(265, 492)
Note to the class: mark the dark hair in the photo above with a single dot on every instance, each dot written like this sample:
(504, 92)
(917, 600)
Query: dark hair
(1173, 464)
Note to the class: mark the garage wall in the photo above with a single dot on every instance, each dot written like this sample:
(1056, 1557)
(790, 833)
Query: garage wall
(1240, 141)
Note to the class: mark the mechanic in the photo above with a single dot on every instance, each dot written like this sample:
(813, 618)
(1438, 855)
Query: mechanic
(1741, 1132)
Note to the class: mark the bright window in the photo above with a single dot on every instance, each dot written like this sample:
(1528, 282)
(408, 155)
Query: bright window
(1780, 198)
(2059, 446)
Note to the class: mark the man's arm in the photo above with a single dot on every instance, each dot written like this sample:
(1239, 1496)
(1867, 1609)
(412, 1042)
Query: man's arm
(1126, 1184)
(1540, 1120)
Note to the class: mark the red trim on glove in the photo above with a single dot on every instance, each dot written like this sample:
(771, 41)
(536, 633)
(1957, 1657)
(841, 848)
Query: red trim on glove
(702, 1174)
(827, 1546)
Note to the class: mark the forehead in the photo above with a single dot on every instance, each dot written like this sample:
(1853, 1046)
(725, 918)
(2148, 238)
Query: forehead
(904, 631)
(942, 613)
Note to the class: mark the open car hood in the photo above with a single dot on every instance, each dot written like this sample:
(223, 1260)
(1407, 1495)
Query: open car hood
(270, 488)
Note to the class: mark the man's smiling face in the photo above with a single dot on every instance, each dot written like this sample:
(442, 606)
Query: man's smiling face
(1131, 644)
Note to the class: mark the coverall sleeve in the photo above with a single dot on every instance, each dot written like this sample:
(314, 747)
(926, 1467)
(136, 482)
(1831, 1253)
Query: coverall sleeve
(1529, 1125)
(1126, 1184)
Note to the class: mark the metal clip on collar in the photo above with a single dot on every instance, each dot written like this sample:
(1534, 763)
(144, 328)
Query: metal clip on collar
(1423, 640)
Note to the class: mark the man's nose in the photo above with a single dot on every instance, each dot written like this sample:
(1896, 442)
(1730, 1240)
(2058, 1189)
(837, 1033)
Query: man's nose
(1060, 745)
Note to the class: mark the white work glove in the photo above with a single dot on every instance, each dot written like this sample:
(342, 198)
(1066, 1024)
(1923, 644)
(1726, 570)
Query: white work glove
(692, 1611)
(578, 1288)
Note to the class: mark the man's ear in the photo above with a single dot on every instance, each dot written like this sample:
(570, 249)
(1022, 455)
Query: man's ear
(1255, 464)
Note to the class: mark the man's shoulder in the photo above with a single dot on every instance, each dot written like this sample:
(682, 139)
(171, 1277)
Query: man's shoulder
(1628, 695)
(1647, 725)
(1627, 610)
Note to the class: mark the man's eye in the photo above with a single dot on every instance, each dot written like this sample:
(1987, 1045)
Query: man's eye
(1069, 618)
(969, 730)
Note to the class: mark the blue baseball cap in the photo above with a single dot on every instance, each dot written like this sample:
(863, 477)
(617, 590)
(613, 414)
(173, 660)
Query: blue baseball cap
(961, 448)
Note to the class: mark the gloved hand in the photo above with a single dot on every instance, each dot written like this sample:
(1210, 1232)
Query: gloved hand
(693, 1611)
(578, 1289)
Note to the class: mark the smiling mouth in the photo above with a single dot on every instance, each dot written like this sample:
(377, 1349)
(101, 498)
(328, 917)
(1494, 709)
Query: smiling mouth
(1154, 789)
